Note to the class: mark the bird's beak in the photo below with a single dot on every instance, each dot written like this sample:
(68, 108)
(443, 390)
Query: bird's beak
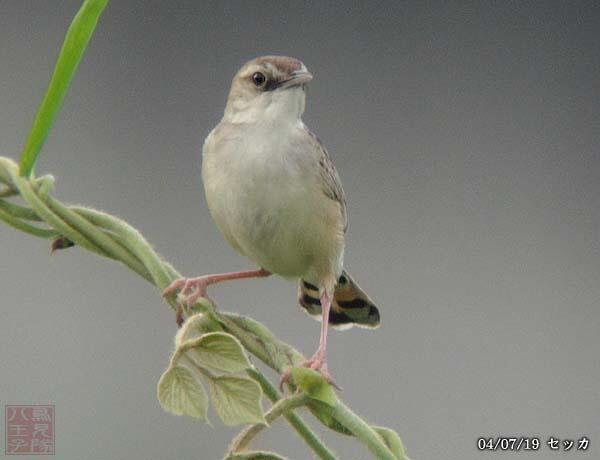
(297, 78)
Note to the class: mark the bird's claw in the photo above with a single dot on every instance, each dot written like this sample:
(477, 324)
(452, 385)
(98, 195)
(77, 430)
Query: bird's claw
(190, 290)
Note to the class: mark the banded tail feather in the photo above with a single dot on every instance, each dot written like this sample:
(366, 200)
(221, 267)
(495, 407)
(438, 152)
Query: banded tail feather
(351, 306)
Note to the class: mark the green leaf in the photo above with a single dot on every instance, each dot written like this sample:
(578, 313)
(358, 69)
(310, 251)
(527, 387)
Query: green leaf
(392, 440)
(218, 351)
(181, 394)
(74, 45)
(315, 385)
(256, 456)
(193, 328)
(280, 354)
(237, 400)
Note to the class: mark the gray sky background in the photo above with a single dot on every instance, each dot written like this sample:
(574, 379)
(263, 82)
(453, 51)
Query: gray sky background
(467, 136)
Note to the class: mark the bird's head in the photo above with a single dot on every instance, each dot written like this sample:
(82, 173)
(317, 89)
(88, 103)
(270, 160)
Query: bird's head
(268, 88)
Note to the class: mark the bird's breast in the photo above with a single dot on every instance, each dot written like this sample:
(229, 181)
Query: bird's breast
(265, 199)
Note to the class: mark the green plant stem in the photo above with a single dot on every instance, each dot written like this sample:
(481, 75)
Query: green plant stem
(29, 195)
(78, 229)
(24, 226)
(361, 429)
(293, 419)
(20, 212)
(281, 407)
(107, 244)
(134, 241)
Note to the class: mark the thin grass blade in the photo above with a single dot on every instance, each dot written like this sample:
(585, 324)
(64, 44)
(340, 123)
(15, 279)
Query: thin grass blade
(76, 40)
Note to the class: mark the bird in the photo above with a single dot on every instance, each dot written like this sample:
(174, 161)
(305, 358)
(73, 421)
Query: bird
(277, 199)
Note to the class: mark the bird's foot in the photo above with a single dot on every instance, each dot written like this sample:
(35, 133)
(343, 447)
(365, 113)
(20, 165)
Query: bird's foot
(190, 290)
(318, 363)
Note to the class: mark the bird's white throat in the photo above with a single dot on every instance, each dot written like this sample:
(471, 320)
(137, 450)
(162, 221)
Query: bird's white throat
(280, 105)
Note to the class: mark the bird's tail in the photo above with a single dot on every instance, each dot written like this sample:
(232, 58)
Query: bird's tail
(351, 306)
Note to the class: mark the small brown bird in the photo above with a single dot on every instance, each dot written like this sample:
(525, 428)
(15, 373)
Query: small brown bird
(277, 199)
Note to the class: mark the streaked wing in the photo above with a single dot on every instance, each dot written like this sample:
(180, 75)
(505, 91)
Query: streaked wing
(332, 185)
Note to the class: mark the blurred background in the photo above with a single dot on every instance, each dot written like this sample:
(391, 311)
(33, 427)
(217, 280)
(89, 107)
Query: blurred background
(467, 136)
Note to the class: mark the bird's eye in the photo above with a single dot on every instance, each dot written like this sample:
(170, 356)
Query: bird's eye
(259, 79)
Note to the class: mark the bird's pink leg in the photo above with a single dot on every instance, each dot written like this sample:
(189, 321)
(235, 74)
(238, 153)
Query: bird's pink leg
(191, 289)
(318, 361)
